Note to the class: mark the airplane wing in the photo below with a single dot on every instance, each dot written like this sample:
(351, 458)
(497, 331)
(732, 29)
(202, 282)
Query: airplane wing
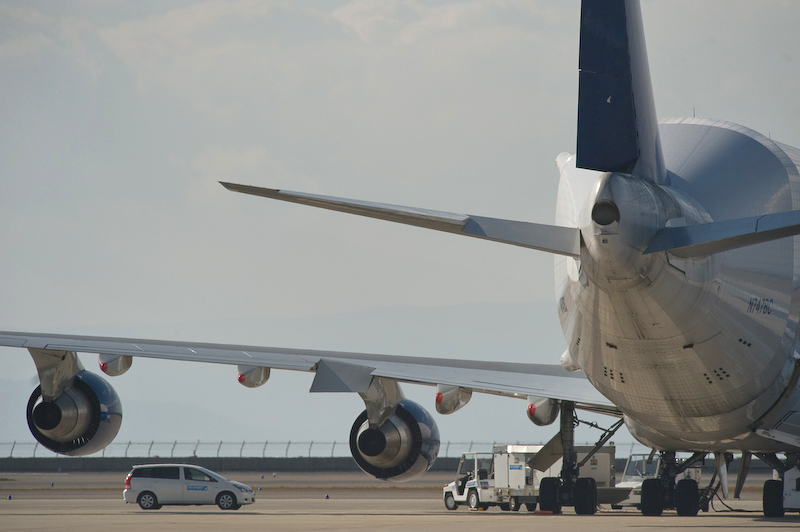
(550, 238)
(345, 372)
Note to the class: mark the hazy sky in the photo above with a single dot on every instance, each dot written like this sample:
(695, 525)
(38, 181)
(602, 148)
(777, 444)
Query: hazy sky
(118, 119)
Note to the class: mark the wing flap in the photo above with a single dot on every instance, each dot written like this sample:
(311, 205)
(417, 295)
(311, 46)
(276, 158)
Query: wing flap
(549, 238)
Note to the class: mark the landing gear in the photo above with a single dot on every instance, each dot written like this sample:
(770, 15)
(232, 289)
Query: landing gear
(585, 496)
(661, 493)
(549, 500)
(687, 497)
(772, 498)
(652, 497)
(569, 489)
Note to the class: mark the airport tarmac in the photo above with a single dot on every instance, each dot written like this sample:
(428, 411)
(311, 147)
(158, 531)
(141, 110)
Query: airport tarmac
(296, 501)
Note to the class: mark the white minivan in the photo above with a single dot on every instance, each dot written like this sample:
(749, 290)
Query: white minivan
(154, 485)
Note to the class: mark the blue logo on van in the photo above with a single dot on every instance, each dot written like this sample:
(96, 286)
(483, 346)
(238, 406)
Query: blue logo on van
(197, 488)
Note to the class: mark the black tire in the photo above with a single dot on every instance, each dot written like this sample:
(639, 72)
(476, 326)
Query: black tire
(450, 501)
(548, 495)
(772, 498)
(530, 506)
(585, 496)
(472, 500)
(148, 501)
(227, 501)
(514, 504)
(652, 501)
(687, 497)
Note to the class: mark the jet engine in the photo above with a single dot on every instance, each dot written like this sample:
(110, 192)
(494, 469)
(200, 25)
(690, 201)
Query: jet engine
(82, 420)
(401, 449)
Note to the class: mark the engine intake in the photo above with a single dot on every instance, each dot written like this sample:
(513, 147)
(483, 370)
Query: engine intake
(401, 449)
(82, 420)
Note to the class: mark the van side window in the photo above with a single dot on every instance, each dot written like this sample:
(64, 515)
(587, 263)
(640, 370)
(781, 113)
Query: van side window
(142, 472)
(196, 474)
(156, 472)
(168, 472)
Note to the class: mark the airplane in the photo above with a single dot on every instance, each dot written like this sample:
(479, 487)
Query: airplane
(674, 262)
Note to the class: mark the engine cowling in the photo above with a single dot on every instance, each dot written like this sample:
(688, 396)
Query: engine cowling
(401, 449)
(82, 420)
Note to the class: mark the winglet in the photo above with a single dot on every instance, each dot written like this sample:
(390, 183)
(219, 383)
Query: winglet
(617, 124)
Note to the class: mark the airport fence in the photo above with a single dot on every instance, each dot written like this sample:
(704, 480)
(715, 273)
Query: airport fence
(230, 449)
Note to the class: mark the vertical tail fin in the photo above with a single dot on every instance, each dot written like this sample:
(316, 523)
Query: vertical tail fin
(617, 124)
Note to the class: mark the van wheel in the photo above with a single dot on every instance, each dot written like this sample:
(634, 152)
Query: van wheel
(227, 501)
(147, 501)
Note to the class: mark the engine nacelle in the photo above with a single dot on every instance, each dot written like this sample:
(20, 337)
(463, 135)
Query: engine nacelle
(401, 449)
(82, 420)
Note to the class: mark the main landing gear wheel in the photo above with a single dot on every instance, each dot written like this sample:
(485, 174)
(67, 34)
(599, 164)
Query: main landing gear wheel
(652, 501)
(687, 498)
(585, 496)
(450, 502)
(514, 504)
(548, 495)
(772, 498)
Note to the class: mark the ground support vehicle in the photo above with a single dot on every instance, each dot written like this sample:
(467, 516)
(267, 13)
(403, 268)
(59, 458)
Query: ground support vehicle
(790, 489)
(505, 477)
(154, 485)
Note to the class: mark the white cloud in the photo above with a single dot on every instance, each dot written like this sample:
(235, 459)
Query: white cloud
(23, 45)
(26, 15)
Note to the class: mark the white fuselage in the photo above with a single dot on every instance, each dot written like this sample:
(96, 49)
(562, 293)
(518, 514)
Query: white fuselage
(696, 352)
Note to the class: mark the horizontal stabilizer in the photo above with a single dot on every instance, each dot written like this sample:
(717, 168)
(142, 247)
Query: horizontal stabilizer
(715, 237)
(550, 238)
